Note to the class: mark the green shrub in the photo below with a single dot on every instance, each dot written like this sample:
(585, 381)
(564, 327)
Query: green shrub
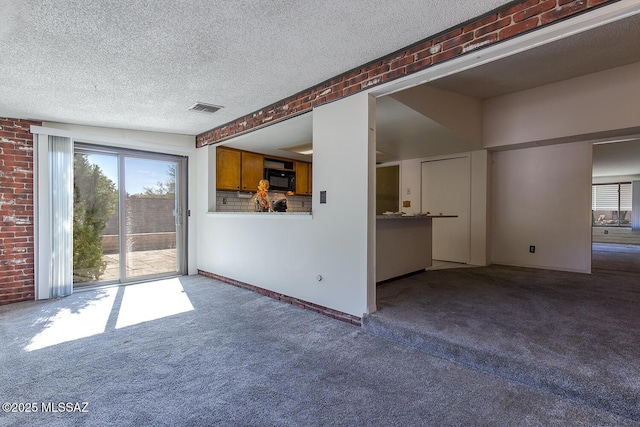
(95, 199)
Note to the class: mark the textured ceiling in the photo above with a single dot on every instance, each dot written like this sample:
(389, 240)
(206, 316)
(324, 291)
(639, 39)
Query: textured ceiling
(402, 131)
(141, 64)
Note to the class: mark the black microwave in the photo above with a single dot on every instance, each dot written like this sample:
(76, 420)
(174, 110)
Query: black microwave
(282, 180)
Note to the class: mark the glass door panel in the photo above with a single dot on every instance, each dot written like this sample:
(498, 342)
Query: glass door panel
(150, 233)
(96, 247)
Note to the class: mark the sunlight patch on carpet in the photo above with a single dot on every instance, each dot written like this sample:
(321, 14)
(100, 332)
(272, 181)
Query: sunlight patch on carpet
(151, 301)
(70, 324)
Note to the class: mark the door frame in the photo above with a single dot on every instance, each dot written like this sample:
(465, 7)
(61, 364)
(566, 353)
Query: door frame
(467, 223)
(181, 208)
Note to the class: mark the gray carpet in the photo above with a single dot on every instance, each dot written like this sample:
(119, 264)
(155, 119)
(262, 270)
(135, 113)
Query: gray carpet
(615, 257)
(232, 357)
(572, 334)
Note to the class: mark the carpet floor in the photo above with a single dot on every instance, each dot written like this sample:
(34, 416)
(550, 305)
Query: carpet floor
(575, 335)
(192, 351)
(616, 257)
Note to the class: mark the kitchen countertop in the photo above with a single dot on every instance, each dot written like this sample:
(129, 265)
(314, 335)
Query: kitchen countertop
(414, 216)
(263, 214)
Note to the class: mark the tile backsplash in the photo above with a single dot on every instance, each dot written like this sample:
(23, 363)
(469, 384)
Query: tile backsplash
(229, 201)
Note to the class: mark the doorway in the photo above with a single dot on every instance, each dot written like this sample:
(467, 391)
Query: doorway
(387, 189)
(128, 222)
(615, 201)
(446, 190)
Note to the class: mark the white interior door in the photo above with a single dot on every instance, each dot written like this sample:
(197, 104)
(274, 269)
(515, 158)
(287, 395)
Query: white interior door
(446, 189)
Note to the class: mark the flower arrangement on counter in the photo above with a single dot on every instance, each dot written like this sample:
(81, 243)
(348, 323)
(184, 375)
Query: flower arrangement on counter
(262, 200)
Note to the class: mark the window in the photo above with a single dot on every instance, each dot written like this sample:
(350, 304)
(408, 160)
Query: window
(611, 204)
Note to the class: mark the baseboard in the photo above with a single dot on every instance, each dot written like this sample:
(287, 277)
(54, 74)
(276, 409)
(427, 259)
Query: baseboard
(325, 311)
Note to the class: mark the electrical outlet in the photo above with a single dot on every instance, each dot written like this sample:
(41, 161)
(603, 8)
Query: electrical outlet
(408, 191)
(606, 231)
(224, 200)
(303, 204)
(532, 249)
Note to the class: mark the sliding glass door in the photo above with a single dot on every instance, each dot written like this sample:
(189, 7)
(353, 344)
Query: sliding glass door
(128, 215)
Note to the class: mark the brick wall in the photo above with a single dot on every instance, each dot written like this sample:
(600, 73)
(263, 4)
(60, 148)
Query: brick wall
(16, 210)
(146, 215)
(514, 19)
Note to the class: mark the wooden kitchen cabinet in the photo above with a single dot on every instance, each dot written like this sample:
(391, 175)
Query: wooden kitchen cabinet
(252, 170)
(303, 178)
(238, 170)
(228, 169)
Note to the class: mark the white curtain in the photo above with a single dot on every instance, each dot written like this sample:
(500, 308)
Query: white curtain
(60, 179)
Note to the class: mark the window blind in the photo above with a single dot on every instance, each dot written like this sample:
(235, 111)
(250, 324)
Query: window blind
(605, 197)
(625, 197)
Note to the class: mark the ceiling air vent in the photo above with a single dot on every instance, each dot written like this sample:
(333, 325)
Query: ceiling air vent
(205, 108)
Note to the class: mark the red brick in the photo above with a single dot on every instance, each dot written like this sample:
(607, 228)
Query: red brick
(371, 66)
(447, 36)
(482, 41)
(422, 54)
(518, 8)
(519, 28)
(392, 75)
(337, 94)
(448, 54)
(16, 165)
(351, 90)
(480, 23)
(401, 61)
(378, 71)
(563, 11)
(420, 47)
(493, 27)
(534, 11)
(419, 65)
(357, 79)
(456, 41)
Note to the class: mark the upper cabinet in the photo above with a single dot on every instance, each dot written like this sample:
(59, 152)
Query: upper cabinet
(303, 178)
(252, 170)
(228, 169)
(238, 170)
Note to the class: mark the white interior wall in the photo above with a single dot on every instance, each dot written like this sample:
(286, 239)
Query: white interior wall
(591, 104)
(411, 182)
(479, 214)
(286, 253)
(460, 114)
(541, 196)
(183, 145)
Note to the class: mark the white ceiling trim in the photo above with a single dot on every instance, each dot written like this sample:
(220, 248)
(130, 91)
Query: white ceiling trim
(95, 139)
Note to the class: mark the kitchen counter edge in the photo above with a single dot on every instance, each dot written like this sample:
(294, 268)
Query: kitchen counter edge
(387, 217)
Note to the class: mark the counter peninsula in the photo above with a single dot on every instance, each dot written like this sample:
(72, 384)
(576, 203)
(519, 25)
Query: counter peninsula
(403, 244)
